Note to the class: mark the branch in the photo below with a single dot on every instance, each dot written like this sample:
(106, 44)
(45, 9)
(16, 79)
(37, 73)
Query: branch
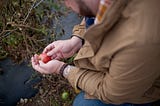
(34, 5)
(21, 25)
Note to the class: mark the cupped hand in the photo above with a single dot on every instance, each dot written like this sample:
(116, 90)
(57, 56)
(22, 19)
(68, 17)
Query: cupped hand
(50, 67)
(63, 48)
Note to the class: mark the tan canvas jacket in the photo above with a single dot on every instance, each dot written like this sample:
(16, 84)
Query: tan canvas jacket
(120, 60)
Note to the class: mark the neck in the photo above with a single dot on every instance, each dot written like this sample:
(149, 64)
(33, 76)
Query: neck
(93, 5)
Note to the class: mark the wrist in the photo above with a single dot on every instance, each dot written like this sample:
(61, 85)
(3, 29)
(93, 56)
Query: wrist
(61, 71)
(76, 40)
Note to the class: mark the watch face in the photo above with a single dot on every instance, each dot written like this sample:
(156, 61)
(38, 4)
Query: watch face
(66, 71)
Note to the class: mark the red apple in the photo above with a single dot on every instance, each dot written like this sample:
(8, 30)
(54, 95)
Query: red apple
(43, 57)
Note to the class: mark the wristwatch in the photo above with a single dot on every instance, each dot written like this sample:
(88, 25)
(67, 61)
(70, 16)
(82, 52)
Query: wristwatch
(67, 70)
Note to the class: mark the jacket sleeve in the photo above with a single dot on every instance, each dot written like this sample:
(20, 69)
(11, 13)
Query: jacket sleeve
(79, 30)
(130, 74)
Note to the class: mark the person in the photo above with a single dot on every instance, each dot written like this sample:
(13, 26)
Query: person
(117, 57)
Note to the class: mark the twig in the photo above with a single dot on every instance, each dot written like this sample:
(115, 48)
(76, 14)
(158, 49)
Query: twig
(29, 11)
(25, 40)
(34, 5)
(38, 3)
(4, 31)
(34, 41)
(22, 25)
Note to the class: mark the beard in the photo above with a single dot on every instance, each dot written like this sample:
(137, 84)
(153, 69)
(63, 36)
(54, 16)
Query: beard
(84, 10)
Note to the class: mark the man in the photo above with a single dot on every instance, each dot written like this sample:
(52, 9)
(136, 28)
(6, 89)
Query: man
(118, 57)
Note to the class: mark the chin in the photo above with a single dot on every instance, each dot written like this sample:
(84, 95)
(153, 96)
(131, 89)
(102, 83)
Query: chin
(87, 15)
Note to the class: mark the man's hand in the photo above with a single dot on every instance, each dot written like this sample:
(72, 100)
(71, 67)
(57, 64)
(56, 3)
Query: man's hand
(50, 67)
(63, 48)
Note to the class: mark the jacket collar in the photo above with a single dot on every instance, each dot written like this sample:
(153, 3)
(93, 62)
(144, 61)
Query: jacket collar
(110, 17)
(95, 33)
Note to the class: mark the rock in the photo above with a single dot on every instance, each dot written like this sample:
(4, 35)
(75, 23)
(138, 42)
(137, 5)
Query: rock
(30, 100)
(25, 100)
(21, 100)
(44, 75)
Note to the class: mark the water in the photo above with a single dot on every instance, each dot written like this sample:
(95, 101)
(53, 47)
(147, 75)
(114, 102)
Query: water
(67, 23)
(16, 82)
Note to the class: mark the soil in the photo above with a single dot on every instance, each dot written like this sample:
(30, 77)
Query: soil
(50, 90)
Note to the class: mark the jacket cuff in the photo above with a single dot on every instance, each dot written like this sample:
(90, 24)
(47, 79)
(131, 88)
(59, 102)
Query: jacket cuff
(79, 30)
(73, 77)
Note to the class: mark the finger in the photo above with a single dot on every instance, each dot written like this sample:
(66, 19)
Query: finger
(48, 48)
(53, 51)
(36, 56)
(38, 68)
(31, 59)
(59, 56)
(42, 64)
(33, 62)
(53, 56)
(35, 59)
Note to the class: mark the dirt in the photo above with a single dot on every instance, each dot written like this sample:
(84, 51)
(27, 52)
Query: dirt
(50, 90)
